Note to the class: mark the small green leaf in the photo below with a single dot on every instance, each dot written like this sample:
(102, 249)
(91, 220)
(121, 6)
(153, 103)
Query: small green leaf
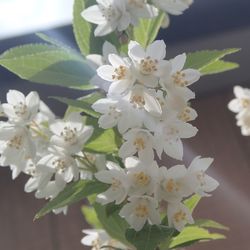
(191, 234)
(73, 193)
(83, 104)
(48, 64)
(113, 224)
(149, 237)
(201, 59)
(192, 202)
(84, 31)
(105, 141)
(218, 67)
(210, 224)
(91, 216)
(53, 41)
(147, 30)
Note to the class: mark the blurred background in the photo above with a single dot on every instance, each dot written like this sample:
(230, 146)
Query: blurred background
(208, 24)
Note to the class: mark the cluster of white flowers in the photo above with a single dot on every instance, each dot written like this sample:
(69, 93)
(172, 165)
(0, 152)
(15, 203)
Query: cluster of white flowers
(47, 149)
(241, 106)
(111, 15)
(147, 99)
(99, 239)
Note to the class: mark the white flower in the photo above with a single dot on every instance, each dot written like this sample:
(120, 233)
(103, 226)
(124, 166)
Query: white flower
(38, 179)
(174, 7)
(142, 98)
(138, 141)
(243, 120)
(120, 73)
(143, 176)
(169, 133)
(173, 185)
(179, 216)
(21, 109)
(118, 190)
(98, 239)
(119, 112)
(70, 134)
(109, 15)
(242, 100)
(180, 77)
(140, 9)
(51, 190)
(16, 147)
(149, 63)
(95, 61)
(198, 180)
(57, 163)
(139, 210)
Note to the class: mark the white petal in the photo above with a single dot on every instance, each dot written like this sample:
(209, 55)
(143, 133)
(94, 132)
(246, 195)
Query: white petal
(93, 14)
(178, 62)
(106, 72)
(157, 50)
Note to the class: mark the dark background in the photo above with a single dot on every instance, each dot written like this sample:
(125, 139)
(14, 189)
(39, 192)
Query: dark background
(208, 24)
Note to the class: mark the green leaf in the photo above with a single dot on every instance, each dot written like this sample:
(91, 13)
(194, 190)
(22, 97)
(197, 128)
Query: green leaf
(105, 141)
(191, 234)
(48, 64)
(147, 30)
(73, 193)
(54, 41)
(90, 216)
(84, 31)
(113, 224)
(83, 104)
(192, 202)
(210, 224)
(149, 237)
(218, 67)
(202, 59)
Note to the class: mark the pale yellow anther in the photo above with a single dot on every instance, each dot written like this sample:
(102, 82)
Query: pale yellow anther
(142, 179)
(15, 142)
(141, 211)
(180, 216)
(148, 65)
(139, 143)
(179, 79)
(120, 73)
(172, 186)
(115, 184)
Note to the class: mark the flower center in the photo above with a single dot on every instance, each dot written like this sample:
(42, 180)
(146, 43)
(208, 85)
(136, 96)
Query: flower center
(245, 102)
(171, 186)
(113, 112)
(141, 210)
(185, 115)
(69, 135)
(137, 100)
(179, 79)
(20, 109)
(109, 12)
(60, 165)
(180, 216)
(142, 179)
(148, 65)
(120, 73)
(115, 184)
(16, 142)
(139, 143)
(201, 178)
